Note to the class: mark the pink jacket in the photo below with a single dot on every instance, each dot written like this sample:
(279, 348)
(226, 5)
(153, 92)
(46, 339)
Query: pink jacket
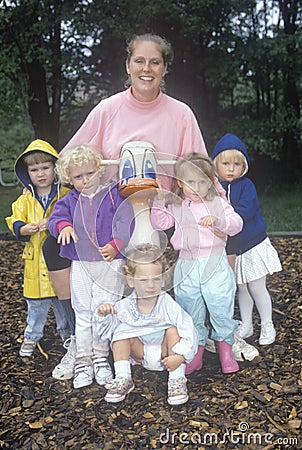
(193, 240)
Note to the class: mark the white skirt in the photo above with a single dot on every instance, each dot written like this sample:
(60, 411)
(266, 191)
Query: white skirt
(257, 262)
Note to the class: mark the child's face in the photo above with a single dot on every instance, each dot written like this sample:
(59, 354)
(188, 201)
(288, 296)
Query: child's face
(85, 178)
(147, 280)
(41, 175)
(194, 185)
(229, 168)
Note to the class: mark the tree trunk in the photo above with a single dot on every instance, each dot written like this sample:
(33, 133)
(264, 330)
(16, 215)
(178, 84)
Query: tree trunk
(291, 149)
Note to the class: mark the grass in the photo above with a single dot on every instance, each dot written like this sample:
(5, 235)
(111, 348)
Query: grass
(7, 196)
(282, 209)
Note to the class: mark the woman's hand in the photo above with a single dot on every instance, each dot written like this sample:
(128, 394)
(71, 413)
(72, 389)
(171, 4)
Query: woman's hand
(160, 193)
(66, 235)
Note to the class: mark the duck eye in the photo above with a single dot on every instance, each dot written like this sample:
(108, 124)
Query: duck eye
(128, 170)
(149, 171)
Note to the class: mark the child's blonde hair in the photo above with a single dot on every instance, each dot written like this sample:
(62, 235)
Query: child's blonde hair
(233, 155)
(78, 155)
(194, 161)
(144, 254)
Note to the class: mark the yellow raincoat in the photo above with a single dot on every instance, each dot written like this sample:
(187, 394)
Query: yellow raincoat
(27, 209)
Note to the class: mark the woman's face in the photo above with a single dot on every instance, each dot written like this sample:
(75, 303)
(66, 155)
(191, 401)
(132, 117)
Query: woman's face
(146, 69)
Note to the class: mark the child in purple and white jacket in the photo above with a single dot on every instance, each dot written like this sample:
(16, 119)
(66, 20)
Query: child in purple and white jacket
(92, 224)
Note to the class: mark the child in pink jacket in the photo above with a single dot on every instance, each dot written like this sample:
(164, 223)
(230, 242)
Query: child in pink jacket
(203, 278)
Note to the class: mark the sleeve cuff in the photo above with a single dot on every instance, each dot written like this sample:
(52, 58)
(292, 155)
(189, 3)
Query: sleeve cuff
(117, 244)
(61, 225)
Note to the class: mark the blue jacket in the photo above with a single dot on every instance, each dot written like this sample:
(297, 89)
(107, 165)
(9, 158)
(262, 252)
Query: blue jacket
(103, 218)
(242, 195)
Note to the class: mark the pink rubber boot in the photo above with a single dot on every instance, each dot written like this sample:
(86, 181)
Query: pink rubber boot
(227, 361)
(196, 363)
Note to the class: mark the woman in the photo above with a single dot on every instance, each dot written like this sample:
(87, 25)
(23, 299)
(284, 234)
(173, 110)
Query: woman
(142, 112)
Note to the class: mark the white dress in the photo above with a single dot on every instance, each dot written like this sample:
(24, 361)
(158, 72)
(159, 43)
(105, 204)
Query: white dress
(257, 262)
(129, 322)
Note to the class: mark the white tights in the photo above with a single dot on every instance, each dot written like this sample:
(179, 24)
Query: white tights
(254, 291)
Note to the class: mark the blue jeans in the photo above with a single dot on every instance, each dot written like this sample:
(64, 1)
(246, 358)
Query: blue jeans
(37, 312)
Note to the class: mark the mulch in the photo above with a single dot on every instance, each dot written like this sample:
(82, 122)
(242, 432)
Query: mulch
(256, 408)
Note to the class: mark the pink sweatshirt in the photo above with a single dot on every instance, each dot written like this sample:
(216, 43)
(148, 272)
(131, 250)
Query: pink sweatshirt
(168, 124)
(193, 240)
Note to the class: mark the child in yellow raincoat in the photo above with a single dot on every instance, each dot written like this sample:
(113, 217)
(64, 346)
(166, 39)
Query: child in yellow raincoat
(29, 223)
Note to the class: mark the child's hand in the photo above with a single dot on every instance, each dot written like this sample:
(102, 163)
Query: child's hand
(108, 252)
(209, 221)
(105, 309)
(66, 235)
(171, 362)
(29, 229)
(220, 234)
(43, 225)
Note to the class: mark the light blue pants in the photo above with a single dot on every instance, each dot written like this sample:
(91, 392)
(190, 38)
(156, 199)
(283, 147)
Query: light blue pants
(207, 283)
(37, 312)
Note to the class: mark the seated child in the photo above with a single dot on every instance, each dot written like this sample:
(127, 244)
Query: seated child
(149, 327)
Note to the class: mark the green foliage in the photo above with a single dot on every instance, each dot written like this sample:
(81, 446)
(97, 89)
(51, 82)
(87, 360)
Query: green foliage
(238, 67)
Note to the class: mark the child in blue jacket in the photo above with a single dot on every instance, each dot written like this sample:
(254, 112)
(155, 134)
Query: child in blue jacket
(255, 255)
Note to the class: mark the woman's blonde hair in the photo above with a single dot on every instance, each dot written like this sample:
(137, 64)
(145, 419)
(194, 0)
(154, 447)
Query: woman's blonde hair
(144, 254)
(78, 155)
(233, 155)
(193, 162)
(164, 46)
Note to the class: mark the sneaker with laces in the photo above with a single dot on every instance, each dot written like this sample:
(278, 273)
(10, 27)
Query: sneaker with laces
(83, 375)
(27, 347)
(244, 331)
(210, 346)
(118, 388)
(267, 334)
(243, 351)
(102, 370)
(65, 369)
(177, 391)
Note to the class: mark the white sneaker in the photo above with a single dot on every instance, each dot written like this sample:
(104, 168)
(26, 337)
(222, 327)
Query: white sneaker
(83, 375)
(65, 369)
(267, 334)
(102, 370)
(243, 351)
(118, 388)
(27, 347)
(177, 391)
(210, 345)
(244, 331)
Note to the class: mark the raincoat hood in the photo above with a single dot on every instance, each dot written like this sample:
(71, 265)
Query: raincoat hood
(20, 166)
(230, 142)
